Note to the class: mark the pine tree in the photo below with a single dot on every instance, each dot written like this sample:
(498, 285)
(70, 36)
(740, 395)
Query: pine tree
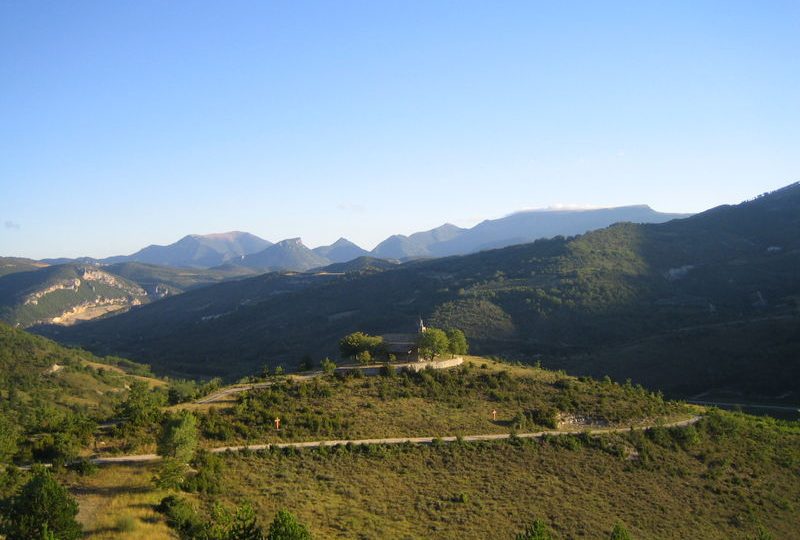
(42, 508)
(286, 527)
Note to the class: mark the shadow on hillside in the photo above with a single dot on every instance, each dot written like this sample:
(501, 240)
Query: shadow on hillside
(110, 491)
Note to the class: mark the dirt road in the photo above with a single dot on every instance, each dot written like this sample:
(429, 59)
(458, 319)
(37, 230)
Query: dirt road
(397, 440)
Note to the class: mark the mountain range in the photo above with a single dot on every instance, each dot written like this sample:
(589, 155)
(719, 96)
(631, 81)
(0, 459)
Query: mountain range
(249, 251)
(517, 228)
(705, 303)
(196, 260)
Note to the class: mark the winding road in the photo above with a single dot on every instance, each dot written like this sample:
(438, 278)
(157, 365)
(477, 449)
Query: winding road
(397, 440)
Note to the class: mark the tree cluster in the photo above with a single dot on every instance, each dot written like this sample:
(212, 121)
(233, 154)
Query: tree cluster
(432, 342)
(361, 347)
(436, 342)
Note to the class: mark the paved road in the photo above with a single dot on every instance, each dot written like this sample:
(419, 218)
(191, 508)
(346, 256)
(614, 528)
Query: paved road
(398, 440)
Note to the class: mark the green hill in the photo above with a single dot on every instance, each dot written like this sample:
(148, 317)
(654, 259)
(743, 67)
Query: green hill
(565, 301)
(725, 476)
(360, 264)
(161, 281)
(52, 396)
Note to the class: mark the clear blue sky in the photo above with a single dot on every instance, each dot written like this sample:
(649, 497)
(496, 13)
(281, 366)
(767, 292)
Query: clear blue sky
(129, 123)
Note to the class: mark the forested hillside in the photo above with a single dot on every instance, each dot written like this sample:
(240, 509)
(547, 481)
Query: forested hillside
(51, 397)
(579, 302)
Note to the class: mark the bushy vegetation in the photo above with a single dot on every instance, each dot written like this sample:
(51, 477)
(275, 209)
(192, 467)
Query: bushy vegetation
(285, 526)
(738, 475)
(183, 390)
(140, 414)
(41, 508)
(429, 402)
(52, 398)
(224, 523)
(535, 531)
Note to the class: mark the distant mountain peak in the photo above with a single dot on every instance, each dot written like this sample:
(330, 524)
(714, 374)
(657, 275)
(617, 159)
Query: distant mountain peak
(291, 242)
(197, 250)
(342, 241)
(288, 254)
(342, 250)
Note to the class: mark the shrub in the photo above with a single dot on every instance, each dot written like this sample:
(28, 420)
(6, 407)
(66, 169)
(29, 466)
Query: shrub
(570, 442)
(126, 524)
(619, 533)
(661, 436)
(83, 467)
(181, 391)
(535, 531)
(328, 366)
(544, 416)
(686, 437)
(462, 498)
(171, 474)
(210, 470)
(286, 527)
(181, 516)
(388, 370)
(306, 363)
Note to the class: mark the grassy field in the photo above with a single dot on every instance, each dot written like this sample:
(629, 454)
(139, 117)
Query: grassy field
(726, 478)
(118, 502)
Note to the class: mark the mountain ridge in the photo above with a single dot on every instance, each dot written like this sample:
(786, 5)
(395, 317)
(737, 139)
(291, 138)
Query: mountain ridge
(343, 250)
(217, 249)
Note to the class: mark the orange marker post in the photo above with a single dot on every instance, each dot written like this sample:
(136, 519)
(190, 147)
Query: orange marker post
(277, 423)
